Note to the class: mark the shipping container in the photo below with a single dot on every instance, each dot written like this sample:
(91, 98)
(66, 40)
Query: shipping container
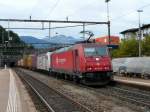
(21, 63)
(48, 58)
(34, 61)
(114, 40)
(18, 63)
(41, 63)
(25, 57)
(29, 61)
(44, 61)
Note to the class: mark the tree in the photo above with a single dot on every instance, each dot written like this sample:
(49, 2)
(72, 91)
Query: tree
(13, 46)
(4, 36)
(127, 48)
(146, 46)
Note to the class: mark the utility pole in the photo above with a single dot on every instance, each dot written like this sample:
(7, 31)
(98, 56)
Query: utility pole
(67, 19)
(1, 60)
(49, 30)
(84, 30)
(139, 33)
(8, 31)
(30, 17)
(2, 36)
(108, 19)
(42, 25)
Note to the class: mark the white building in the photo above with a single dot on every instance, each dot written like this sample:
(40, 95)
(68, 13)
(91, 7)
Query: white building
(133, 33)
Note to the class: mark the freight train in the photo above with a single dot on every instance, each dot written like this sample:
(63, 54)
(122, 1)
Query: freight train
(88, 63)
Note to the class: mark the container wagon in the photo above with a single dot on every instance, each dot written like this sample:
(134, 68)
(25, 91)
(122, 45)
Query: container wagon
(133, 66)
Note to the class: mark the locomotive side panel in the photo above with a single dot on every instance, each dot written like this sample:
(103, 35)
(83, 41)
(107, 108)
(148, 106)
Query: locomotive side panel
(79, 60)
(63, 61)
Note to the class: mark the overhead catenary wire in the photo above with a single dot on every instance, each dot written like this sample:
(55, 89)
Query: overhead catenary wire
(53, 21)
(59, 27)
(80, 23)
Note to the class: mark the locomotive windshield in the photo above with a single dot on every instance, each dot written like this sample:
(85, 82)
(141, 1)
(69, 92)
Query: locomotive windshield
(95, 51)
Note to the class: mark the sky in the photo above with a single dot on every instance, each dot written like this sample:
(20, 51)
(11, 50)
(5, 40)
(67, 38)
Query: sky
(123, 15)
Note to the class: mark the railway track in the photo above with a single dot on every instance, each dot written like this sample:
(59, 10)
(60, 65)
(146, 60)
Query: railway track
(135, 98)
(39, 105)
(54, 100)
(139, 99)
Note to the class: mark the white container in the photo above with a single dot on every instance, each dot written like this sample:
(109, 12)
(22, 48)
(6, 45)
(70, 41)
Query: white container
(44, 61)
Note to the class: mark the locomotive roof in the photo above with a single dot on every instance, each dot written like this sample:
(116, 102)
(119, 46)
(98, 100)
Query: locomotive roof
(82, 44)
(62, 49)
(91, 44)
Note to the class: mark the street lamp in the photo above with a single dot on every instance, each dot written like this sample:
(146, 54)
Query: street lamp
(108, 19)
(107, 1)
(139, 33)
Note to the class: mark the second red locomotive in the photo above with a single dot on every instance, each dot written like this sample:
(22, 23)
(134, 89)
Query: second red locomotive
(89, 63)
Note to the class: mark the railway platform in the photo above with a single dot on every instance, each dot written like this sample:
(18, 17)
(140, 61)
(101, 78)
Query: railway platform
(13, 95)
(133, 81)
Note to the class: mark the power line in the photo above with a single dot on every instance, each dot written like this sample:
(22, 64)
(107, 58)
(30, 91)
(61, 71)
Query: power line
(79, 9)
(145, 6)
(130, 12)
(54, 7)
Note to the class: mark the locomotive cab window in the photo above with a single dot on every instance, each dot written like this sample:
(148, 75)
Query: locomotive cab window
(95, 51)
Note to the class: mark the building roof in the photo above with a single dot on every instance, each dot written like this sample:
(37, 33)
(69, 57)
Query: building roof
(145, 26)
(132, 30)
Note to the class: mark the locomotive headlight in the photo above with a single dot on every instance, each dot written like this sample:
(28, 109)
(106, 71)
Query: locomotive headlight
(89, 68)
(97, 59)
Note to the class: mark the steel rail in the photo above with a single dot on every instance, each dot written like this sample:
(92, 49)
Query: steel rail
(133, 92)
(40, 96)
(66, 97)
(112, 91)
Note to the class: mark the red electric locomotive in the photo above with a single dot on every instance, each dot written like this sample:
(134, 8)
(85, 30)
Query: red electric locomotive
(89, 63)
